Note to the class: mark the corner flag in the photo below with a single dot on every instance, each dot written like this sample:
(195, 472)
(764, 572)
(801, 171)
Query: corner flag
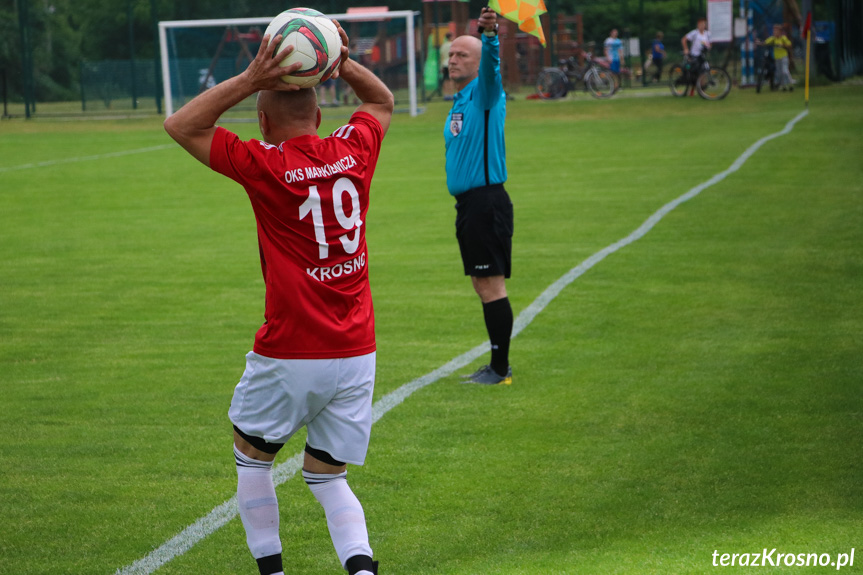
(807, 26)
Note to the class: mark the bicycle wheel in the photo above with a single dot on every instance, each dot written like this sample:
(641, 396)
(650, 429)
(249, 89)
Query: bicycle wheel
(551, 84)
(600, 83)
(677, 81)
(713, 84)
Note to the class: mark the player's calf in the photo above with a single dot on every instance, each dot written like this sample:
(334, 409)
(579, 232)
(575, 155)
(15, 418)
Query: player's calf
(259, 511)
(345, 520)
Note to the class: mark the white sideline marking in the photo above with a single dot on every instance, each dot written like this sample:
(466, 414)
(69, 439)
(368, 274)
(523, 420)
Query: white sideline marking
(85, 158)
(208, 524)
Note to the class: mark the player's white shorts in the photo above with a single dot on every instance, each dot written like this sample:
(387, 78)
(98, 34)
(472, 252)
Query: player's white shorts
(331, 397)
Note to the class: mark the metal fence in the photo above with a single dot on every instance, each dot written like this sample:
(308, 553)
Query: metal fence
(119, 85)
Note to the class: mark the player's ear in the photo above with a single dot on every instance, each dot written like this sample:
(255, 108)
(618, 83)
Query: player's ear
(318, 120)
(263, 123)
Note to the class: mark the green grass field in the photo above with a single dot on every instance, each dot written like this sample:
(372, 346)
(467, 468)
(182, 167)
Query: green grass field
(698, 390)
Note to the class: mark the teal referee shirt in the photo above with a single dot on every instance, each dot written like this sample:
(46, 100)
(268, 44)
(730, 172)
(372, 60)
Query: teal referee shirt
(475, 147)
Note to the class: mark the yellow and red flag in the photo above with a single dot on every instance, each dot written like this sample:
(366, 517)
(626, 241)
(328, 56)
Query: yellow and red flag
(525, 13)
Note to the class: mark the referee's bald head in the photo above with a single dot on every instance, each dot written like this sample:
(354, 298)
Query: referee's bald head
(464, 56)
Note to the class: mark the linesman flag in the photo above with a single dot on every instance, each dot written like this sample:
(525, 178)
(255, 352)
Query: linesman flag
(525, 13)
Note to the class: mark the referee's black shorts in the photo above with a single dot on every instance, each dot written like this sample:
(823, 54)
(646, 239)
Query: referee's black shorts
(483, 227)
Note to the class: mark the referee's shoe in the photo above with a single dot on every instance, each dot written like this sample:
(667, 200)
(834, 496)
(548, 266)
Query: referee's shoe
(487, 376)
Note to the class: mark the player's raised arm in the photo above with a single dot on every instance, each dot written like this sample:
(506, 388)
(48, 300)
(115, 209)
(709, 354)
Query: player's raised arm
(376, 98)
(193, 125)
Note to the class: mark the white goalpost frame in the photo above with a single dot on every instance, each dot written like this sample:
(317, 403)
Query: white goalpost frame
(408, 15)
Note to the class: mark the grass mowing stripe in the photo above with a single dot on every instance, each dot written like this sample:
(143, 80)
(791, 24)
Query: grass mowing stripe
(85, 158)
(223, 513)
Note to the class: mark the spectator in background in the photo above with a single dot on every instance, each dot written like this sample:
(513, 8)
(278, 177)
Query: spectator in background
(658, 55)
(781, 44)
(697, 42)
(614, 51)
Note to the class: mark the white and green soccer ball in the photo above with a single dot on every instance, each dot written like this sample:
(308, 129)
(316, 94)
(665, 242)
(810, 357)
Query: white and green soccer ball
(316, 41)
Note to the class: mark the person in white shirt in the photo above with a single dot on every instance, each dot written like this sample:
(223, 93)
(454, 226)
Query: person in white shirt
(698, 38)
(614, 51)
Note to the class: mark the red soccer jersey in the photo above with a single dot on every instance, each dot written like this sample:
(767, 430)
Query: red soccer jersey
(310, 197)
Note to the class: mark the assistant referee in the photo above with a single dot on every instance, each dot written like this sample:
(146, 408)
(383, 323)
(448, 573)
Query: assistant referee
(475, 174)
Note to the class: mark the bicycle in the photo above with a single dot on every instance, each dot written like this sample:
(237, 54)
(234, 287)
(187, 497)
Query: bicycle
(605, 64)
(696, 74)
(554, 83)
(767, 71)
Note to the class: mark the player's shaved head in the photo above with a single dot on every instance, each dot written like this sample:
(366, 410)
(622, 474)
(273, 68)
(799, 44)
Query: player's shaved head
(288, 107)
(286, 114)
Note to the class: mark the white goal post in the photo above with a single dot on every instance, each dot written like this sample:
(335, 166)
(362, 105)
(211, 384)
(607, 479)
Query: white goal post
(225, 23)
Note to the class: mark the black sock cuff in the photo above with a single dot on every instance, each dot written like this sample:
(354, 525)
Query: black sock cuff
(270, 564)
(360, 563)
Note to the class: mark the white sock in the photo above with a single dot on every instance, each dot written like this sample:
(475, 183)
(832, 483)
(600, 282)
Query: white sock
(259, 508)
(345, 518)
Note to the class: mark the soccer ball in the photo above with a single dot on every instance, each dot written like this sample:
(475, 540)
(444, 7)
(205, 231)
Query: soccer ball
(316, 41)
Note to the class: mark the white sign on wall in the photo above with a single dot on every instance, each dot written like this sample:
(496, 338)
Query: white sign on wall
(720, 16)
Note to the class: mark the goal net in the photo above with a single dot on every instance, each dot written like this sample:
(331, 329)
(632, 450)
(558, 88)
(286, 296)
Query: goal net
(198, 54)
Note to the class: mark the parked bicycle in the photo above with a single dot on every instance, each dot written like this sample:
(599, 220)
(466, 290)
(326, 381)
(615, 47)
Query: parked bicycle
(697, 75)
(766, 71)
(553, 83)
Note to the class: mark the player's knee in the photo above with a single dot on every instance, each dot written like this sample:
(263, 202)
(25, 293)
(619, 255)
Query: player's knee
(322, 470)
(320, 461)
(490, 288)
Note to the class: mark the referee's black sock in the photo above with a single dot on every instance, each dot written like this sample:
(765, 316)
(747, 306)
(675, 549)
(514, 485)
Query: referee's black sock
(498, 322)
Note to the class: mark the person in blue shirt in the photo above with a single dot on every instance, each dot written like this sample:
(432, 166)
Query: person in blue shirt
(475, 174)
(614, 51)
(658, 56)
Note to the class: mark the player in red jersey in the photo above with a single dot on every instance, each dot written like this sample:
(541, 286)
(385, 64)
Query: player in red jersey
(313, 362)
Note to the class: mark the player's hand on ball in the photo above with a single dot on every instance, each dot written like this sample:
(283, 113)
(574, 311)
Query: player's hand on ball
(345, 50)
(265, 73)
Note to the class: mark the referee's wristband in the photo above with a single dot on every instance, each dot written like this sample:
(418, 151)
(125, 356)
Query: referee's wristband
(490, 32)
